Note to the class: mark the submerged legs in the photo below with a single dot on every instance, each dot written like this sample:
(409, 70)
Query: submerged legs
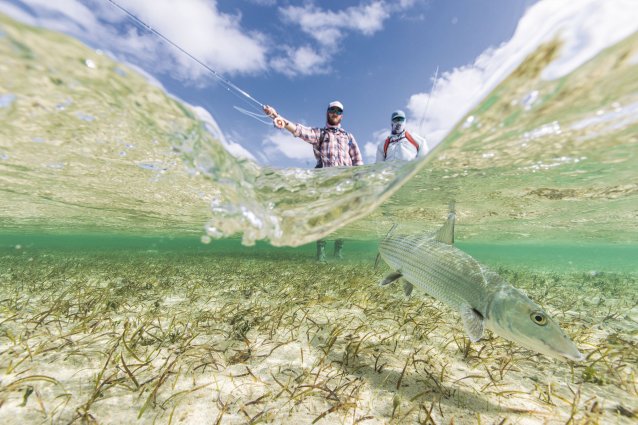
(339, 249)
(321, 251)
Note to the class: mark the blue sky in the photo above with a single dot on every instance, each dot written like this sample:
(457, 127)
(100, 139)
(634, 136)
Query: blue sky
(373, 55)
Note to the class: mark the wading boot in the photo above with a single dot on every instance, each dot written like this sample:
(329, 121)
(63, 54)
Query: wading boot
(321, 251)
(339, 249)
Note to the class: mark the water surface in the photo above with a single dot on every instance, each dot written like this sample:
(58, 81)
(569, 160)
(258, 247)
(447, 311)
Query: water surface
(119, 304)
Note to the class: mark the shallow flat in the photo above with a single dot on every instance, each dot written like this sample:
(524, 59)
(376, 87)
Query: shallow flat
(174, 335)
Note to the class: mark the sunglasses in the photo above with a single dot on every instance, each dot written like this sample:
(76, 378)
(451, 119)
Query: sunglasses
(335, 111)
(398, 119)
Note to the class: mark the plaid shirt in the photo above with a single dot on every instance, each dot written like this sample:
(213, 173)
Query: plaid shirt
(338, 148)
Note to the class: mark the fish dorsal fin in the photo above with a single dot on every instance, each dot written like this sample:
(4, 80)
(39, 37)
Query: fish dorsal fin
(376, 261)
(392, 229)
(446, 233)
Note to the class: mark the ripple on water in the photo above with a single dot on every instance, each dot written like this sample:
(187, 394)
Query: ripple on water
(153, 166)
(530, 99)
(556, 162)
(606, 121)
(85, 117)
(7, 100)
(469, 121)
(550, 129)
(63, 105)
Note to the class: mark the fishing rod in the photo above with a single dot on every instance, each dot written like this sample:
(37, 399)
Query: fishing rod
(427, 104)
(229, 85)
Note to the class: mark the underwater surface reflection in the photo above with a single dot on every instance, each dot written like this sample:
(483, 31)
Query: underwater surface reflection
(112, 310)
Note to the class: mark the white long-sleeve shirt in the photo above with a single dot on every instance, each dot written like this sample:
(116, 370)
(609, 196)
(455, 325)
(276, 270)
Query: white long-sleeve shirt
(400, 148)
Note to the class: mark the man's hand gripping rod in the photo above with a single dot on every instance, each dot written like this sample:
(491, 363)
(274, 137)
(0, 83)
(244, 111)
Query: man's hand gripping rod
(278, 121)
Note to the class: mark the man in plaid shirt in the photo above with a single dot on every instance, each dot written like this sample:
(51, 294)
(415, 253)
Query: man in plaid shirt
(332, 146)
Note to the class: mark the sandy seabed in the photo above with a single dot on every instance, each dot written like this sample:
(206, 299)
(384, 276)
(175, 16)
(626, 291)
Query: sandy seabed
(151, 337)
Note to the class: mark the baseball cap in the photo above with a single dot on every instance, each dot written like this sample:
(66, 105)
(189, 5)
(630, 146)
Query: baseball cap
(336, 104)
(398, 113)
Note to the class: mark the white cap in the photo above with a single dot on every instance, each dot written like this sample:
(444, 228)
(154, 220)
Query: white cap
(398, 113)
(335, 104)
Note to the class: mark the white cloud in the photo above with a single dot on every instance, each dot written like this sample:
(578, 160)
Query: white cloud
(70, 16)
(72, 10)
(199, 28)
(454, 95)
(370, 148)
(17, 13)
(282, 143)
(406, 4)
(370, 152)
(263, 2)
(234, 148)
(586, 27)
(326, 26)
(301, 61)
(215, 38)
(237, 150)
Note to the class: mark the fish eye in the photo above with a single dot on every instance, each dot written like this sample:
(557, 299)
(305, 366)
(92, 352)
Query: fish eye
(539, 318)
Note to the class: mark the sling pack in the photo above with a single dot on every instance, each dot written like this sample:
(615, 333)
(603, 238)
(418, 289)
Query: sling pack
(407, 136)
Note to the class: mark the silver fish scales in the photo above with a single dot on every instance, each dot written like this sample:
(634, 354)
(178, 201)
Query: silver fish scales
(433, 264)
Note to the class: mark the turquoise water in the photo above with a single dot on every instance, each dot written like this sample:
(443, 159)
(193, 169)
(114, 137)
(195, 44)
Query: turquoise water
(147, 275)
(554, 257)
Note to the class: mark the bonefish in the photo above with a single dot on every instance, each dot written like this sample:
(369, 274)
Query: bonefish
(432, 263)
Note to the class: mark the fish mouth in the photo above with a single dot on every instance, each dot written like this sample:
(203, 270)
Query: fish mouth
(564, 352)
(570, 354)
(570, 351)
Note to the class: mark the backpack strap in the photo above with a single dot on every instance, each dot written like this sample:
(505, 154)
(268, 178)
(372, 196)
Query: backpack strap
(349, 136)
(322, 136)
(411, 140)
(407, 136)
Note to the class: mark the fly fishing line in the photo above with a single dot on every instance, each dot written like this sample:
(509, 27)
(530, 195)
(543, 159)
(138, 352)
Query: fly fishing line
(242, 94)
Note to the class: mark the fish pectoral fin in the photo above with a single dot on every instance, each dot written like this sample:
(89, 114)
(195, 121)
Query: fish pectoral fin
(472, 322)
(390, 278)
(407, 288)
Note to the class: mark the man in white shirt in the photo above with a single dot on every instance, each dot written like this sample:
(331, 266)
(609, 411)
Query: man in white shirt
(401, 144)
